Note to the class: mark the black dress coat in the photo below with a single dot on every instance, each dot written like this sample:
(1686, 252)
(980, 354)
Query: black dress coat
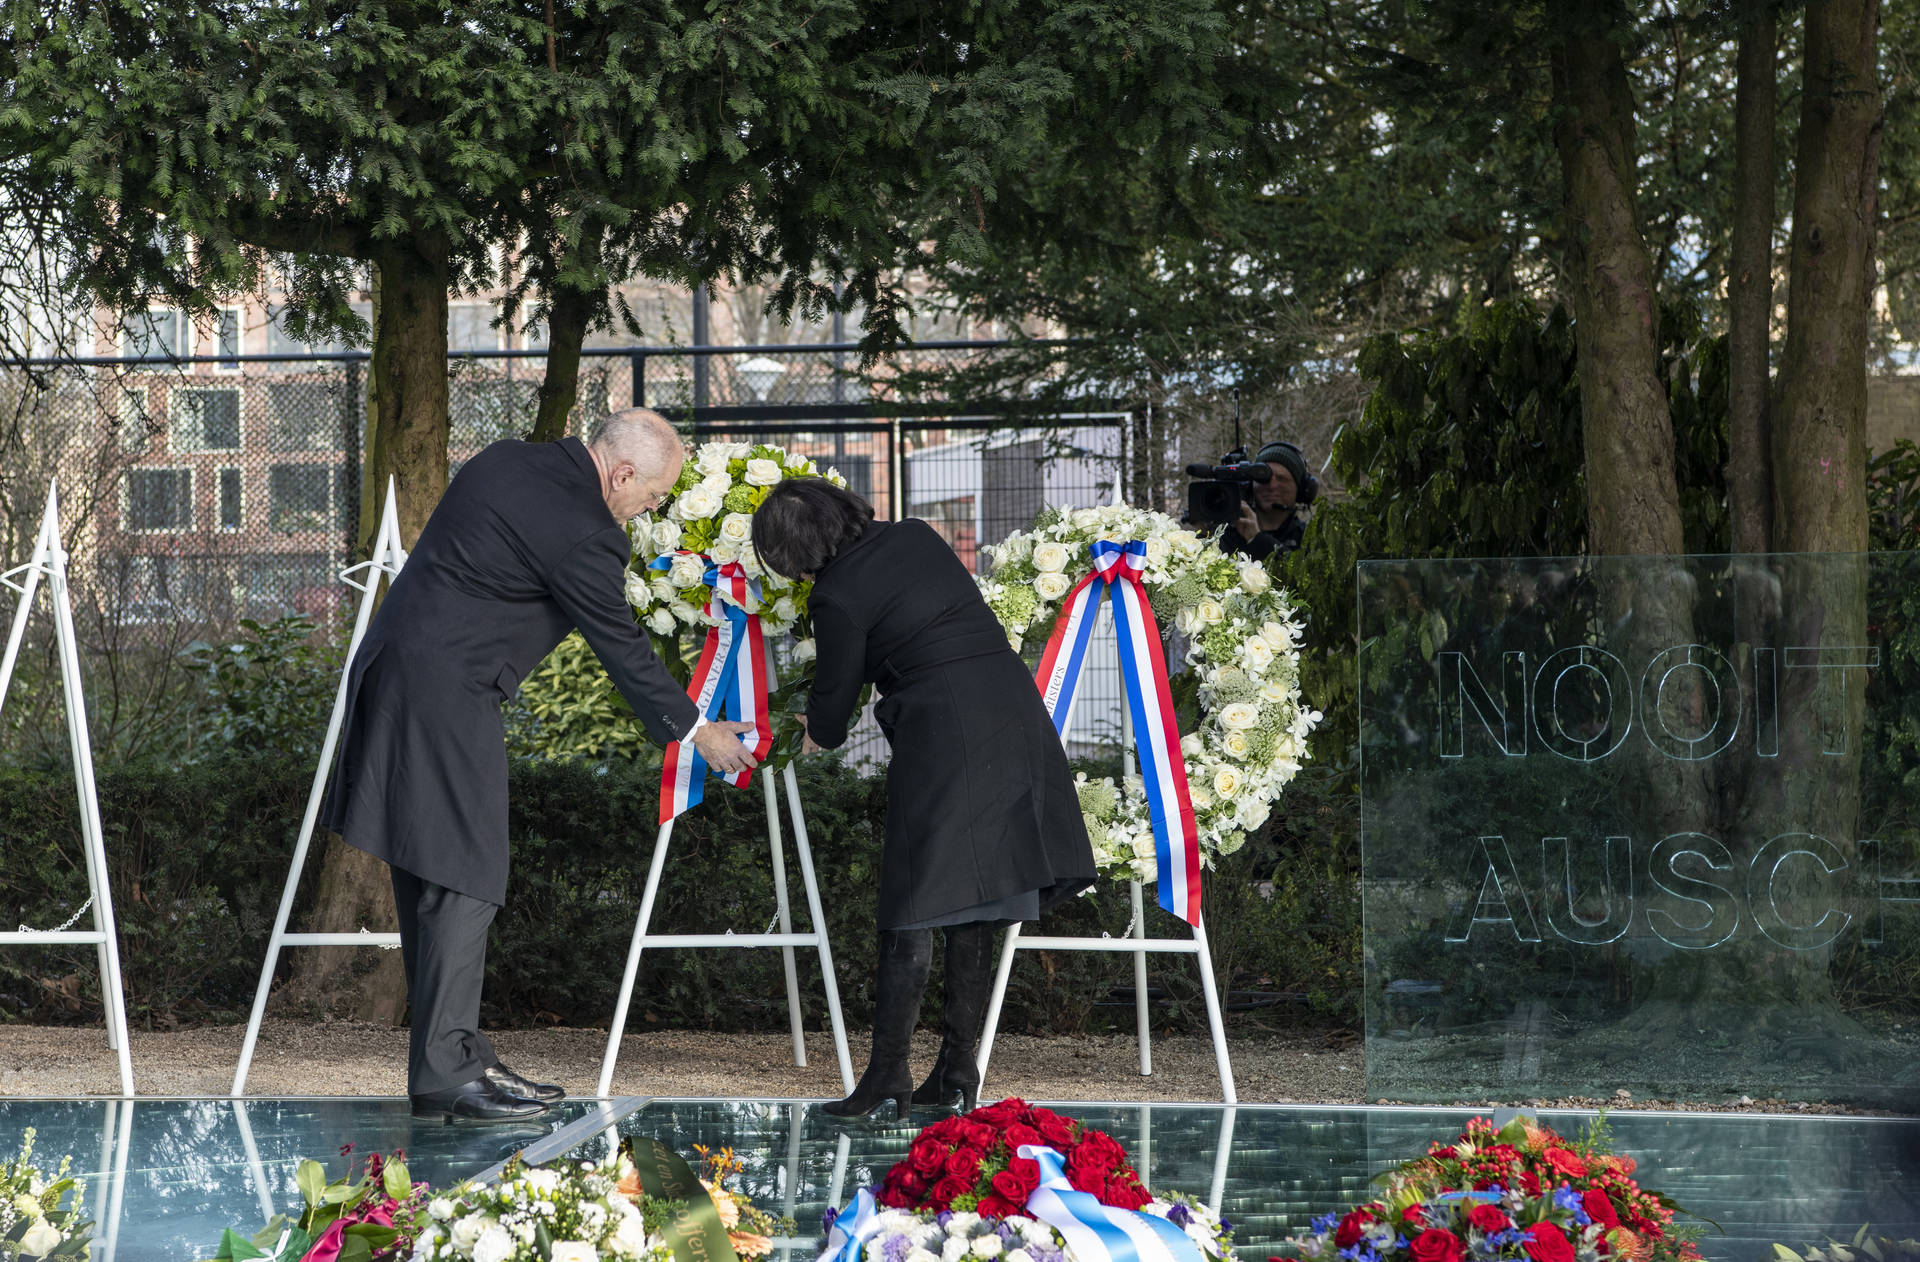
(980, 803)
(520, 551)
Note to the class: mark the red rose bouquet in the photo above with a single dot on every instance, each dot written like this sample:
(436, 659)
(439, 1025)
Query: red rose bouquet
(1519, 1192)
(971, 1163)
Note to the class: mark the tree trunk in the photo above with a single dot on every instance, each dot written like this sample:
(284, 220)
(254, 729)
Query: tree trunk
(407, 440)
(567, 313)
(1750, 283)
(373, 493)
(1633, 502)
(1819, 436)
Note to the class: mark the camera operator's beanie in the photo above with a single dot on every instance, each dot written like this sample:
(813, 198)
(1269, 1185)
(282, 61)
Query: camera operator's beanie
(1285, 454)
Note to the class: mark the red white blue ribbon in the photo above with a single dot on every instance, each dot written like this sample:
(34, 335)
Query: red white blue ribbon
(1117, 569)
(730, 681)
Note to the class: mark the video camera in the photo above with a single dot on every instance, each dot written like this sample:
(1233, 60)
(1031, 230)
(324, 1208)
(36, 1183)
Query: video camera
(1214, 498)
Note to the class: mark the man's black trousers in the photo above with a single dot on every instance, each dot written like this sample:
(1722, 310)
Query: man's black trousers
(443, 943)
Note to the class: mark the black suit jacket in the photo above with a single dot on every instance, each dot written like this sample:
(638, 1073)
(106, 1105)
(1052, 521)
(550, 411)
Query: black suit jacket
(520, 551)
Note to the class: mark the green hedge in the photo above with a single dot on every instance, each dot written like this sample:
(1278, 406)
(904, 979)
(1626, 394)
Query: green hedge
(198, 855)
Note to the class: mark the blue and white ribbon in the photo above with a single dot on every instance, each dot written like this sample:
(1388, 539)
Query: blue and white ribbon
(1100, 1233)
(852, 1229)
(1117, 570)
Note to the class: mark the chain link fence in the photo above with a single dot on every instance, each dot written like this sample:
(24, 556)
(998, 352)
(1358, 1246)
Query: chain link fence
(198, 493)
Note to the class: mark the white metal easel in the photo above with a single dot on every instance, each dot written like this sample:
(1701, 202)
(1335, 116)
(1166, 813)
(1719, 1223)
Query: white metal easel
(786, 939)
(388, 557)
(1138, 943)
(49, 558)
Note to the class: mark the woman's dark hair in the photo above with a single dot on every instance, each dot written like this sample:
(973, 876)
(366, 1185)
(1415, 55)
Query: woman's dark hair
(804, 522)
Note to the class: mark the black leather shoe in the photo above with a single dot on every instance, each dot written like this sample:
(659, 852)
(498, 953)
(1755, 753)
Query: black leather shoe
(513, 1084)
(476, 1101)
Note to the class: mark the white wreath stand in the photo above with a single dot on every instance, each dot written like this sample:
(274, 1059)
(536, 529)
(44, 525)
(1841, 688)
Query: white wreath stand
(786, 939)
(49, 559)
(1138, 943)
(388, 557)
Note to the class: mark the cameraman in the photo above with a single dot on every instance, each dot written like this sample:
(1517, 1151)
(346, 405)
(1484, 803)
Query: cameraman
(1269, 520)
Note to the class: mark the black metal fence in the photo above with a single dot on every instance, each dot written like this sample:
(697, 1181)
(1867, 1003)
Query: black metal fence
(197, 492)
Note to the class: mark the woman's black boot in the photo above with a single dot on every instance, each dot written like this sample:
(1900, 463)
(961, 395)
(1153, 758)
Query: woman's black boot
(955, 1080)
(900, 981)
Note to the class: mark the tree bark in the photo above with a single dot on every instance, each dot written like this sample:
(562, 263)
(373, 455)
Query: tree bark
(568, 310)
(407, 439)
(1633, 501)
(1750, 282)
(1819, 427)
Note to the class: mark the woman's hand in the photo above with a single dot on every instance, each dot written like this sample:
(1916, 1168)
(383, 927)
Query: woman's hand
(806, 742)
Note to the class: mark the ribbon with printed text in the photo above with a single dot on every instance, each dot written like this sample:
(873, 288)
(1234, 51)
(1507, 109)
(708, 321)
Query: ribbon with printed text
(1117, 571)
(730, 681)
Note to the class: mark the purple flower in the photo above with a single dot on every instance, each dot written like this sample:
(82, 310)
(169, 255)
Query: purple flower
(895, 1249)
(1179, 1215)
(826, 1219)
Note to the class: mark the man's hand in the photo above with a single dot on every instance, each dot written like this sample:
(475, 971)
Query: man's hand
(806, 742)
(1246, 525)
(719, 744)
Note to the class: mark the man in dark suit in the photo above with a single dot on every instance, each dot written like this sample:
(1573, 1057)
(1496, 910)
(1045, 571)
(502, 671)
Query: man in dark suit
(528, 543)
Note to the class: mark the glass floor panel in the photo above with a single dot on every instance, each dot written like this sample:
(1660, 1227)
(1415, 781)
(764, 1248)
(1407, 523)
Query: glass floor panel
(194, 1167)
(191, 1169)
(1763, 1178)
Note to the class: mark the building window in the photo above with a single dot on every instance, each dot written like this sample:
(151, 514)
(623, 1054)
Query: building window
(206, 419)
(299, 497)
(470, 327)
(280, 341)
(133, 425)
(231, 510)
(157, 333)
(302, 416)
(226, 336)
(159, 500)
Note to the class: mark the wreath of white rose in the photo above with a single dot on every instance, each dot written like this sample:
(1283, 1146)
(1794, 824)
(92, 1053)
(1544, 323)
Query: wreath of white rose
(710, 510)
(1242, 661)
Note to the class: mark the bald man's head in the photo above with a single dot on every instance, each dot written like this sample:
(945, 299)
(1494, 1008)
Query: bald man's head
(639, 456)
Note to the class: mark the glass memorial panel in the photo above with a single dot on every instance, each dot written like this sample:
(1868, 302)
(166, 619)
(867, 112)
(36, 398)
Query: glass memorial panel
(1642, 824)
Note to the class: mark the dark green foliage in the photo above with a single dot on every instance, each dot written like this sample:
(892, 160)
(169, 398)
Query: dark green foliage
(198, 855)
(271, 690)
(1470, 446)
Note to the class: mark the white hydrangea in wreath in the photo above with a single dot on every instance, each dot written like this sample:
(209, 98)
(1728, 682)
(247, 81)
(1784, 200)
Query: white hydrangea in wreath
(1240, 671)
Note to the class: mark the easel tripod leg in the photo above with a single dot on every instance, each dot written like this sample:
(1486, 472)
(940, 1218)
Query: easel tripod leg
(992, 1025)
(784, 916)
(814, 909)
(633, 961)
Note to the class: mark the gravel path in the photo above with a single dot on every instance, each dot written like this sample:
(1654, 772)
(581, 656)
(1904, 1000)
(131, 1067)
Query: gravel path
(348, 1058)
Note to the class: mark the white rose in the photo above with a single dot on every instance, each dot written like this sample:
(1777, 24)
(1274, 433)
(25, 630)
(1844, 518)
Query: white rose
(750, 561)
(718, 483)
(711, 460)
(1191, 745)
(639, 591)
(1050, 557)
(797, 463)
(986, 1247)
(1036, 1231)
(683, 612)
(660, 622)
(961, 1224)
(1252, 812)
(43, 1237)
(665, 536)
(1253, 578)
(723, 551)
(1211, 611)
(953, 1249)
(1199, 796)
(1143, 846)
(1236, 743)
(441, 1208)
(736, 528)
(495, 1244)
(1239, 715)
(631, 1237)
(687, 571)
(804, 650)
(695, 502)
(1148, 870)
(1258, 652)
(1051, 585)
(1226, 782)
(836, 477)
(1157, 550)
(1272, 691)
(573, 1251)
(763, 472)
(921, 1255)
(468, 1231)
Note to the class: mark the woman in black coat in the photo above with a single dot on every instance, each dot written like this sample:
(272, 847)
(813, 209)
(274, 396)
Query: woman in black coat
(983, 826)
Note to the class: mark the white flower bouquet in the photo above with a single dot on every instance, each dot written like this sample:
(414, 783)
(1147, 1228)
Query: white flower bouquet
(564, 1212)
(40, 1216)
(1241, 667)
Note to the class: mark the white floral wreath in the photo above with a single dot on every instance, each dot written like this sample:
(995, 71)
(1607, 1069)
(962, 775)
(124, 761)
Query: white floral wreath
(1242, 651)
